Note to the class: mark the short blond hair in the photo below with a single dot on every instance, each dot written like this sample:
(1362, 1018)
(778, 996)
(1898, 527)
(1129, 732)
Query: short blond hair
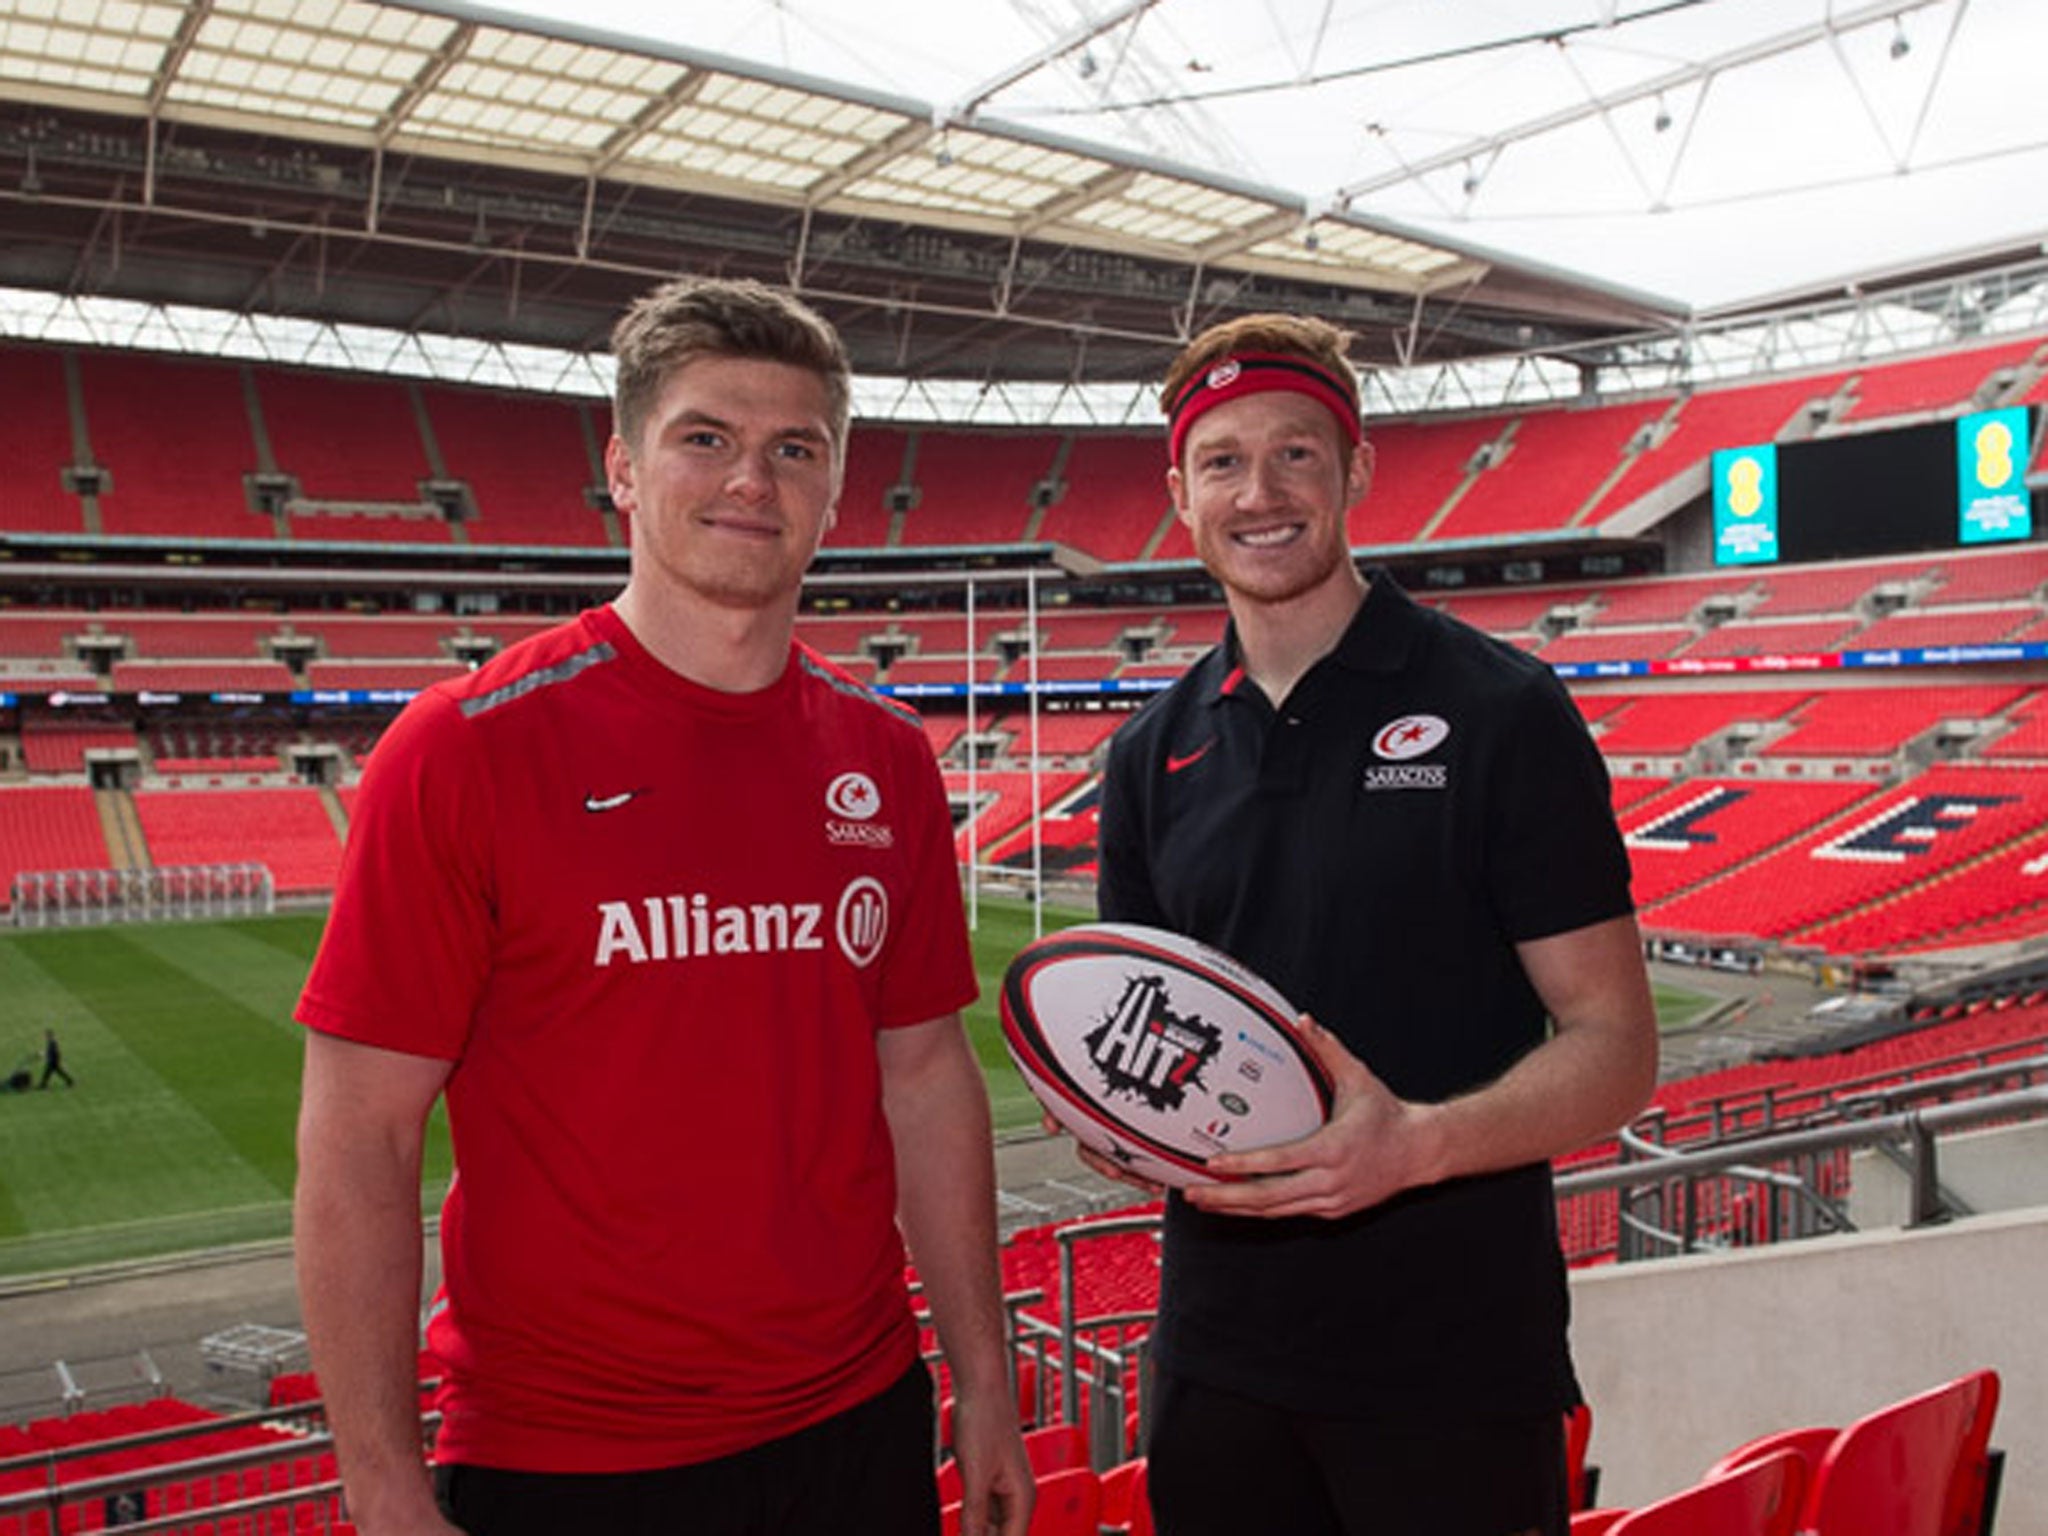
(695, 317)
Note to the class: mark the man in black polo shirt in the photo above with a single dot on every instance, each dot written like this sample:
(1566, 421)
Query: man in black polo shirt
(1404, 825)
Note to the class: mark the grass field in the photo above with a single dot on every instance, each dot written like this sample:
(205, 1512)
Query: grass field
(179, 1134)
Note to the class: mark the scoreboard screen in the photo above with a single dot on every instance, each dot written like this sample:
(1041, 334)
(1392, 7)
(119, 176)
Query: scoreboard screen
(1927, 487)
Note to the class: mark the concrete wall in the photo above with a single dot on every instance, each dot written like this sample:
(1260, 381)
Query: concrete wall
(2000, 1170)
(1683, 1359)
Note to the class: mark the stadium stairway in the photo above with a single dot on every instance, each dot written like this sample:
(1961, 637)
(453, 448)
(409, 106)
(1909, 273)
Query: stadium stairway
(126, 847)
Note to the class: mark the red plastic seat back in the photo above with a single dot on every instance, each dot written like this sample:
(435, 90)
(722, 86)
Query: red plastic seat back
(1126, 1505)
(1578, 1436)
(1069, 1504)
(1903, 1469)
(1965, 1515)
(1056, 1448)
(1760, 1498)
(1810, 1444)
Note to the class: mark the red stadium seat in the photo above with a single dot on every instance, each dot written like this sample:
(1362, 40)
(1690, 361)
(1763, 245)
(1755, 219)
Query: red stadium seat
(1126, 1503)
(1809, 1445)
(1583, 1481)
(1917, 1467)
(1069, 1504)
(1056, 1448)
(1760, 1498)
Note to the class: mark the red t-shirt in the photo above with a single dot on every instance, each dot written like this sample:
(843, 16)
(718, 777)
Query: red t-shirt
(656, 928)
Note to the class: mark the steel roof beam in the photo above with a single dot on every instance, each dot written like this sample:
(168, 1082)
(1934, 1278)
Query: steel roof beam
(1706, 69)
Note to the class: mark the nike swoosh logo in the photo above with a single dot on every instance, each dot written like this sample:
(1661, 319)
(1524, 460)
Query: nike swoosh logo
(610, 802)
(1175, 764)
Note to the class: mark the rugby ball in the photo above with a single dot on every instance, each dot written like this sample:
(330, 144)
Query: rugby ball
(1158, 1052)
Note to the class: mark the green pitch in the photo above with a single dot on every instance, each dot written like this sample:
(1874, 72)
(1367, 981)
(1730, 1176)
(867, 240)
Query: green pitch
(179, 1133)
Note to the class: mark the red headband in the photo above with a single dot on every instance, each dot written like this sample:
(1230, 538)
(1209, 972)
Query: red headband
(1254, 373)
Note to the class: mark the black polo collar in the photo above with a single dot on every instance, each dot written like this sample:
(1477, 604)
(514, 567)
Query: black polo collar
(1379, 638)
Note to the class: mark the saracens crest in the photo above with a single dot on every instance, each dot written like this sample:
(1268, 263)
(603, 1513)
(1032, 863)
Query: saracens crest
(1145, 1048)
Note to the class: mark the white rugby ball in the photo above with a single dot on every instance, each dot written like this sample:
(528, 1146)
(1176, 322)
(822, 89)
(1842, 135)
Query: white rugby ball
(1156, 1051)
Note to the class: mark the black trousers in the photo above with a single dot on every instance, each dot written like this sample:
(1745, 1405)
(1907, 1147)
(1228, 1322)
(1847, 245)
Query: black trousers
(864, 1472)
(1223, 1465)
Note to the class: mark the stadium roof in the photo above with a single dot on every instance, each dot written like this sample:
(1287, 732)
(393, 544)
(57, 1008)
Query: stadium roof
(1061, 196)
(1722, 152)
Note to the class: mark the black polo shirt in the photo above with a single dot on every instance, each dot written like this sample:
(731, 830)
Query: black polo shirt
(1425, 799)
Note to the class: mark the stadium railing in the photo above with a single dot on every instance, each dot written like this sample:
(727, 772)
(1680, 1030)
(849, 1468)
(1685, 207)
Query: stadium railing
(1667, 1199)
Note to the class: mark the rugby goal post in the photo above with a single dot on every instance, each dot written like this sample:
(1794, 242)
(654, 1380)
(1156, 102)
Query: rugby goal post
(78, 898)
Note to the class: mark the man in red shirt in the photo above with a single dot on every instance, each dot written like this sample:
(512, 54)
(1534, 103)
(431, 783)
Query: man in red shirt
(665, 905)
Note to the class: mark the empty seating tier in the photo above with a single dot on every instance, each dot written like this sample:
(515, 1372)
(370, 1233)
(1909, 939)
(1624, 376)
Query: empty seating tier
(874, 467)
(402, 676)
(1417, 466)
(1830, 589)
(1505, 613)
(45, 827)
(175, 437)
(906, 671)
(35, 444)
(1924, 384)
(1115, 499)
(1697, 829)
(1553, 465)
(1718, 418)
(2004, 890)
(42, 637)
(1922, 627)
(57, 746)
(1056, 667)
(1867, 722)
(2027, 734)
(344, 438)
(287, 829)
(378, 637)
(975, 487)
(192, 637)
(526, 461)
(202, 677)
(1664, 599)
(1006, 803)
(2006, 575)
(1773, 637)
(1585, 645)
(1932, 823)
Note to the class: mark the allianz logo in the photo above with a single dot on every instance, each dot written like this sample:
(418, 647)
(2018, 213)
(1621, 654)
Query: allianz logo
(691, 925)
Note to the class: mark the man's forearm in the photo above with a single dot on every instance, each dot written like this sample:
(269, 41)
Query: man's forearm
(946, 1200)
(359, 1286)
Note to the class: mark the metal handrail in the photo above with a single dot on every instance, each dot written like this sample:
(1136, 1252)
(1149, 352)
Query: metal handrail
(54, 1496)
(1851, 1095)
(250, 1509)
(35, 1461)
(1919, 1128)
